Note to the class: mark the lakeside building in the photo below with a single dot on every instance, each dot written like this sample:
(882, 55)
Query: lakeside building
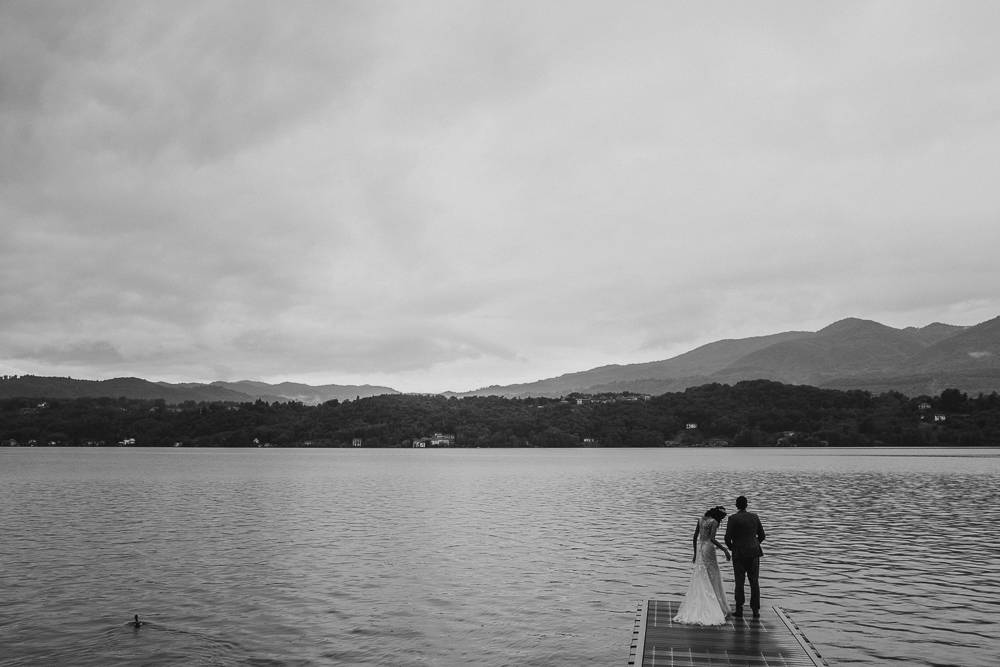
(437, 440)
(443, 440)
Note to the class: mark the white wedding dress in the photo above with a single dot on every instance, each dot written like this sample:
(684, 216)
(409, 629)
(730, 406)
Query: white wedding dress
(705, 601)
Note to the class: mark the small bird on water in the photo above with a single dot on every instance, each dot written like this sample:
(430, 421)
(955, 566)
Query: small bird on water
(137, 623)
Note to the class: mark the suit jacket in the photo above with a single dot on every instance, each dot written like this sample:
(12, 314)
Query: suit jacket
(744, 535)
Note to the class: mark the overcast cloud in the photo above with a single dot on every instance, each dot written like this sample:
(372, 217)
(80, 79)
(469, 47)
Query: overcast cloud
(441, 196)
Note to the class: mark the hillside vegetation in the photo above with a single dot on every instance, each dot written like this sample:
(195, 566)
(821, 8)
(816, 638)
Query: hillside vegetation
(749, 413)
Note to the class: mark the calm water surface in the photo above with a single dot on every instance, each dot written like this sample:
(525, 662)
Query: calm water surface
(486, 557)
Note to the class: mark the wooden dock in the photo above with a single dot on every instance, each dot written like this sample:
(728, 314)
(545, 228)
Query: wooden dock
(771, 640)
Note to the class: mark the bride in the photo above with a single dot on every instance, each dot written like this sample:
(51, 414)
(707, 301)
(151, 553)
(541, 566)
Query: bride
(705, 601)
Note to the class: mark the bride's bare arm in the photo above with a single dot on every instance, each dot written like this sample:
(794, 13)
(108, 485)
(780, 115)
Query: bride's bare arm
(694, 542)
(711, 536)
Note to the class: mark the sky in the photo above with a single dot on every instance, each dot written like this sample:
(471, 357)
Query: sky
(438, 196)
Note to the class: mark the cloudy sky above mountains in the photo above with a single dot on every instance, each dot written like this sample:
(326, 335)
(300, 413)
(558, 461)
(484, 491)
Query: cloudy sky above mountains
(446, 195)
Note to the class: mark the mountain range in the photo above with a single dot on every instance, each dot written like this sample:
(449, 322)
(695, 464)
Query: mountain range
(34, 386)
(849, 354)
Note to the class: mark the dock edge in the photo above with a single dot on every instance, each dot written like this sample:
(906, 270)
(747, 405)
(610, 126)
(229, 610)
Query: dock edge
(638, 634)
(800, 637)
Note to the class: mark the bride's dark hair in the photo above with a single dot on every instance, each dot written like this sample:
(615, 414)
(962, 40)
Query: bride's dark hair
(718, 513)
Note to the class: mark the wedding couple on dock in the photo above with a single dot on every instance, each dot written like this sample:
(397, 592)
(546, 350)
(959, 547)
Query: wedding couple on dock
(705, 601)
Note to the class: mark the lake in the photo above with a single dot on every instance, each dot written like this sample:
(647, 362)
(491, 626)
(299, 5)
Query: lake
(487, 557)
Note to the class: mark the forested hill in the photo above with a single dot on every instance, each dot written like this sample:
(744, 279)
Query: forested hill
(749, 413)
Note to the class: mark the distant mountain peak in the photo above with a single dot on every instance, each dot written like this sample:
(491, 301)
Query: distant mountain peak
(853, 324)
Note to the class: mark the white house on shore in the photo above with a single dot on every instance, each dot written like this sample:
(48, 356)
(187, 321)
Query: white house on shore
(443, 440)
(437, 440)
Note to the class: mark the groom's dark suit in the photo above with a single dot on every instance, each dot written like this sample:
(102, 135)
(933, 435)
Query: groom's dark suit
(744, 533)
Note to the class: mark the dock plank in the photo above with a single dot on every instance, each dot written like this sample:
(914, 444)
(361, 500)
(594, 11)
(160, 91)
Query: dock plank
(772, 640)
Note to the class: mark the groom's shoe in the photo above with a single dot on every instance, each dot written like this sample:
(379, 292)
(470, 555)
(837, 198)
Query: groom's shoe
(738, 613)
(756, 613)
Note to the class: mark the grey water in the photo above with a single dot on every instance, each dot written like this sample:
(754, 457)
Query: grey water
(486, 557)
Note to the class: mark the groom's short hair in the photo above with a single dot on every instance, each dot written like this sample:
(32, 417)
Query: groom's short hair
(741, 503)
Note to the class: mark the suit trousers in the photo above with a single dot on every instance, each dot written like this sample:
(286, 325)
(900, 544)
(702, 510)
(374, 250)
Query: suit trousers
(743, 569)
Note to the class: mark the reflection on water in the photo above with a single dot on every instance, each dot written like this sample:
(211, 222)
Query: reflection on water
(510, 557)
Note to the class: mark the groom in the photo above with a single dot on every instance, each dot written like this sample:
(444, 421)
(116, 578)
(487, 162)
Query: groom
(743, 536)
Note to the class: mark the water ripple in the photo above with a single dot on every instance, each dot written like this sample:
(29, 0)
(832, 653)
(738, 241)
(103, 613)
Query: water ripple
(506, 557)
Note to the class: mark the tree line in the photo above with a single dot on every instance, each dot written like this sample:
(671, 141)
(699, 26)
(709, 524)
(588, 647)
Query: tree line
(756, 413)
